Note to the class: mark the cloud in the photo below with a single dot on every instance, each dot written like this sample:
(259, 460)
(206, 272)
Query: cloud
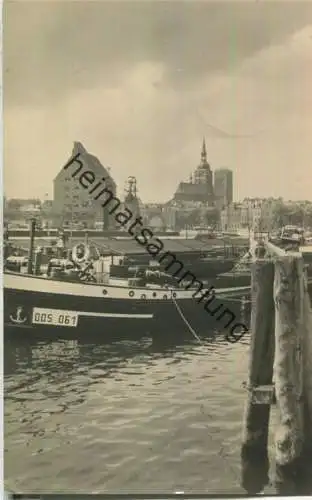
(78, 45)
(141, 121)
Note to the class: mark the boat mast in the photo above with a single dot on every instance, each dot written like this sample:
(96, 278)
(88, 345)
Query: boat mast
(31, 246)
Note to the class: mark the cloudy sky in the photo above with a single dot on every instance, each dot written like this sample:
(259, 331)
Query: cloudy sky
(140, 84)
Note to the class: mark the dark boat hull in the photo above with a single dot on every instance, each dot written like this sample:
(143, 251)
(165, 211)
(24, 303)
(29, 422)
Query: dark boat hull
(40, 305)
(203, 269)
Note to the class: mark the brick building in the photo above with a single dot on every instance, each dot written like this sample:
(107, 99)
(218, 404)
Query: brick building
(73, 205)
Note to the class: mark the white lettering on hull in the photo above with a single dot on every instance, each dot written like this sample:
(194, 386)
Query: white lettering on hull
(60, 317)
(54, 317)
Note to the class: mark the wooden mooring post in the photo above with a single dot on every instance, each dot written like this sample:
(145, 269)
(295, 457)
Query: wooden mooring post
(281, 350)
(255, 462)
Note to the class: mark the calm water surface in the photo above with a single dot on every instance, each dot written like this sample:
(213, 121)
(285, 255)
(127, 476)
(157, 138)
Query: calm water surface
(124, 417)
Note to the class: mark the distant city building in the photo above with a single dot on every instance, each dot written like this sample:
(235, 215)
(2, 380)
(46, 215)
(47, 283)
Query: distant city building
(72, 204)
(23, 205)
(252, 214)
(223, 187)
(169, 216)
(200, 187)
(157, 223)
(22, 210)
(258, 213)
(230, 217)
(155, 216)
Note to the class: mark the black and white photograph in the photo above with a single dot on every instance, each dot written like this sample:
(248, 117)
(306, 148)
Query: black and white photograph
(157, 247)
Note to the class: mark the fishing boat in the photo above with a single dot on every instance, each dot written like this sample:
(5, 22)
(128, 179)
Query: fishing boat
(83, 294)
(113, 289)
(37, 303)
(204, 266)
(81, 302)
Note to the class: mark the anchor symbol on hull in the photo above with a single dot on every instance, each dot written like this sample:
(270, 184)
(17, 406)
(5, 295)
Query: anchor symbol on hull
(18, 317)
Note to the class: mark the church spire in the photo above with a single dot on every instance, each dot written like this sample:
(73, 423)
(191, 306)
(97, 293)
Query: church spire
(204, 152)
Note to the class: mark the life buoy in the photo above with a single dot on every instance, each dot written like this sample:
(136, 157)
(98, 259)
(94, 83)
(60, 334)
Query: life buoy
(85, 250)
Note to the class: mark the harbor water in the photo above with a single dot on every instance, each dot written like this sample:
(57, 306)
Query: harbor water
(124, 417)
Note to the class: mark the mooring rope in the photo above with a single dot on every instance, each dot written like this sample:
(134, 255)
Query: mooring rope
(184, 319)
(191, 329)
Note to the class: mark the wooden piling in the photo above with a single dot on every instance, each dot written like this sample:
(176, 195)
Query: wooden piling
(292, 371)
(307, 371)
(260, 389)
(288, 367)
(291, 347)
(307, 366)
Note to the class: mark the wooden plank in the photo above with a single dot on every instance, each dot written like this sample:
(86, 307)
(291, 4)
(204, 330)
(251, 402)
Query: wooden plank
(288, 367)
(256, 420)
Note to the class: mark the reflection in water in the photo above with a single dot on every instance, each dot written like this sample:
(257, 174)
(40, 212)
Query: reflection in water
(124, 417)
(31, 363)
